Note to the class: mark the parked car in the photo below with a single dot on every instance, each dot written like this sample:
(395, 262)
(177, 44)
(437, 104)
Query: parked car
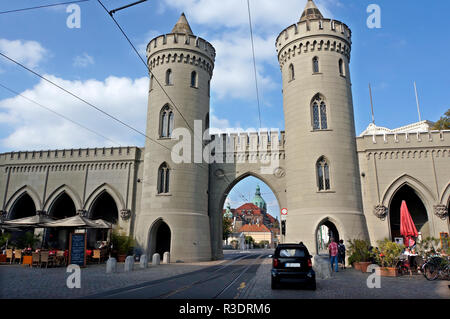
(291, 263)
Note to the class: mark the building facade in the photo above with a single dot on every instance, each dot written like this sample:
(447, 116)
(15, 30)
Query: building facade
(318, 169)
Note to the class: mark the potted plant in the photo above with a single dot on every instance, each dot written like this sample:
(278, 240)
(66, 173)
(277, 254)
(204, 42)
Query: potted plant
(388, 257)
(359, 254)
(122, 245)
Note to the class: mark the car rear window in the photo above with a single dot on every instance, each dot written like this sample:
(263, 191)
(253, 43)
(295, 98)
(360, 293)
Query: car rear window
(292, 252)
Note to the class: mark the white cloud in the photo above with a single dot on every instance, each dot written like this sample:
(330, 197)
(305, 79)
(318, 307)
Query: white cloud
(142, 46)
(83, 60)
(35, 128)
(30, 53)
(227, 26)
(234, 13)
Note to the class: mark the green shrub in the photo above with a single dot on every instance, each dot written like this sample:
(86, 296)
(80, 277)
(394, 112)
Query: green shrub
(122, 243)
(389, 253)
(358, 251)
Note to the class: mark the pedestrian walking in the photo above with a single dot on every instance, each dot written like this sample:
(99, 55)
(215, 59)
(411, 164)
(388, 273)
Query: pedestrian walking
(341, 252)
(333, 252)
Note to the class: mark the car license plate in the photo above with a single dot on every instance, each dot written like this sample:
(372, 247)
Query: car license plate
(293, 265)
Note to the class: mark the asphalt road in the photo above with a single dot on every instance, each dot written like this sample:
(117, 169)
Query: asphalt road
(225, 281)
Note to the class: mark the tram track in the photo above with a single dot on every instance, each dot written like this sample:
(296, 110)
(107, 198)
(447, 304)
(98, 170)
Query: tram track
(139, 291)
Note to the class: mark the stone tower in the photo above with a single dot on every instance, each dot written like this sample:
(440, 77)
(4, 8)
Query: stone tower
(174, 207)
(323, 185)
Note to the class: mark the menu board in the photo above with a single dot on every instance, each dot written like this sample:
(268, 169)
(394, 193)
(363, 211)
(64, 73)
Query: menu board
(77, 250)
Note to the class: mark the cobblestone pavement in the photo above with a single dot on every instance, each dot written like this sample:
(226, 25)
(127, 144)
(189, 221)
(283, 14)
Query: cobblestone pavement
(17, 281)
(349, 284)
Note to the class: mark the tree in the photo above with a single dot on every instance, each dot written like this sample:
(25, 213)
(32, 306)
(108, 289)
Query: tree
(227, 223)
(443, 123)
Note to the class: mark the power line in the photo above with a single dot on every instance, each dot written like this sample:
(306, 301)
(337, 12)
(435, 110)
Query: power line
(43, 6)
(254, 62)
(58, 114)
(84, 101)
(146, 66)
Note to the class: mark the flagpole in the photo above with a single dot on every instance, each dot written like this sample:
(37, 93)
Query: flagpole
(371, 104)
(417, 101)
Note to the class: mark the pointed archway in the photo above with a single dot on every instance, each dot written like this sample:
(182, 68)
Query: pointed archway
(23, 207)
(62, 207)
(416, 208)
(325, 231)
(160, 238)
(104, 207)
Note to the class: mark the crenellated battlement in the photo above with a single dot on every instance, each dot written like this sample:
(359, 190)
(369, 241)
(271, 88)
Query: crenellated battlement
(313, 35)
(404, 144)
(72, 155)
(265, 141)
(181, 48)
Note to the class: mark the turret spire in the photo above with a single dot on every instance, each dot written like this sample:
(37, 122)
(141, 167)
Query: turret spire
(311, 12)
(182, 26)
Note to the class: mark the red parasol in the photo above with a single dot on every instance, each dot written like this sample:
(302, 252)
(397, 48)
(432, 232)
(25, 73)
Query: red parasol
(407, 227)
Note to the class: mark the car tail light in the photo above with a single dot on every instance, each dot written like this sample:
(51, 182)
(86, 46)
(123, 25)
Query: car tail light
(309, 263)
(275, 262)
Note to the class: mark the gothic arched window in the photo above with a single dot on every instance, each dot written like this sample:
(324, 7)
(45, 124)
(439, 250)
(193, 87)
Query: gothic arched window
(194, 79)
(291, 72)
(152, 79)
(169, 77)
(319, 113)
(316, 64)
(323, 174)
(341, 67)
(163, 179)
(166, 121)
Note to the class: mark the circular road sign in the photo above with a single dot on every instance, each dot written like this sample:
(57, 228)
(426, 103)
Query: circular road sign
(284, 211)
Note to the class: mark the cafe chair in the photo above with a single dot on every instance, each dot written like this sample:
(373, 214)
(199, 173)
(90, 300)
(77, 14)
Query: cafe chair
(96, 254)
(60, 258)
(35, 259)
(9, 255)
(18, 256)
(45, 259)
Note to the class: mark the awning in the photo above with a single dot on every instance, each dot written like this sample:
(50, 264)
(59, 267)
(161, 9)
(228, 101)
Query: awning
(73, 222)
(32, 221)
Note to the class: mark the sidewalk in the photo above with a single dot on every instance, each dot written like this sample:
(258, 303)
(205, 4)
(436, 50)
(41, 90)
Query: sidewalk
(17, 281)
(349, 284)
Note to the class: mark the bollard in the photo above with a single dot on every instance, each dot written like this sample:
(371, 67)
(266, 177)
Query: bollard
(111, 265)
(129, 263)
(156, 260)
(166, 259)
(143, 261)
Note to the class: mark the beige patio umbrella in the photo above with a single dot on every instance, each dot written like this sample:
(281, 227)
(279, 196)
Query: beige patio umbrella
(73, 222)
(32, 221)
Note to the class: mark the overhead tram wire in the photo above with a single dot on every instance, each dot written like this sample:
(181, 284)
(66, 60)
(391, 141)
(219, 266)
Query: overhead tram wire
(84, 101)
(145, 63)
(68, 119)
(58, 114)
(43, 6)
(110, 13)
(254, 62)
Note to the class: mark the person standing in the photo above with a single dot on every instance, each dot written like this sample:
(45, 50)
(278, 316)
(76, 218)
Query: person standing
(341, 252)
(333, 252)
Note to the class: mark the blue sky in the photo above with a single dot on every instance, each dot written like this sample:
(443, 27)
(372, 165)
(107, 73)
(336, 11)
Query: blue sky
(96, 62)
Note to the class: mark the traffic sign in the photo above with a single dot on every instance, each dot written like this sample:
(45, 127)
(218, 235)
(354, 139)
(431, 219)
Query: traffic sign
(284, 211)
